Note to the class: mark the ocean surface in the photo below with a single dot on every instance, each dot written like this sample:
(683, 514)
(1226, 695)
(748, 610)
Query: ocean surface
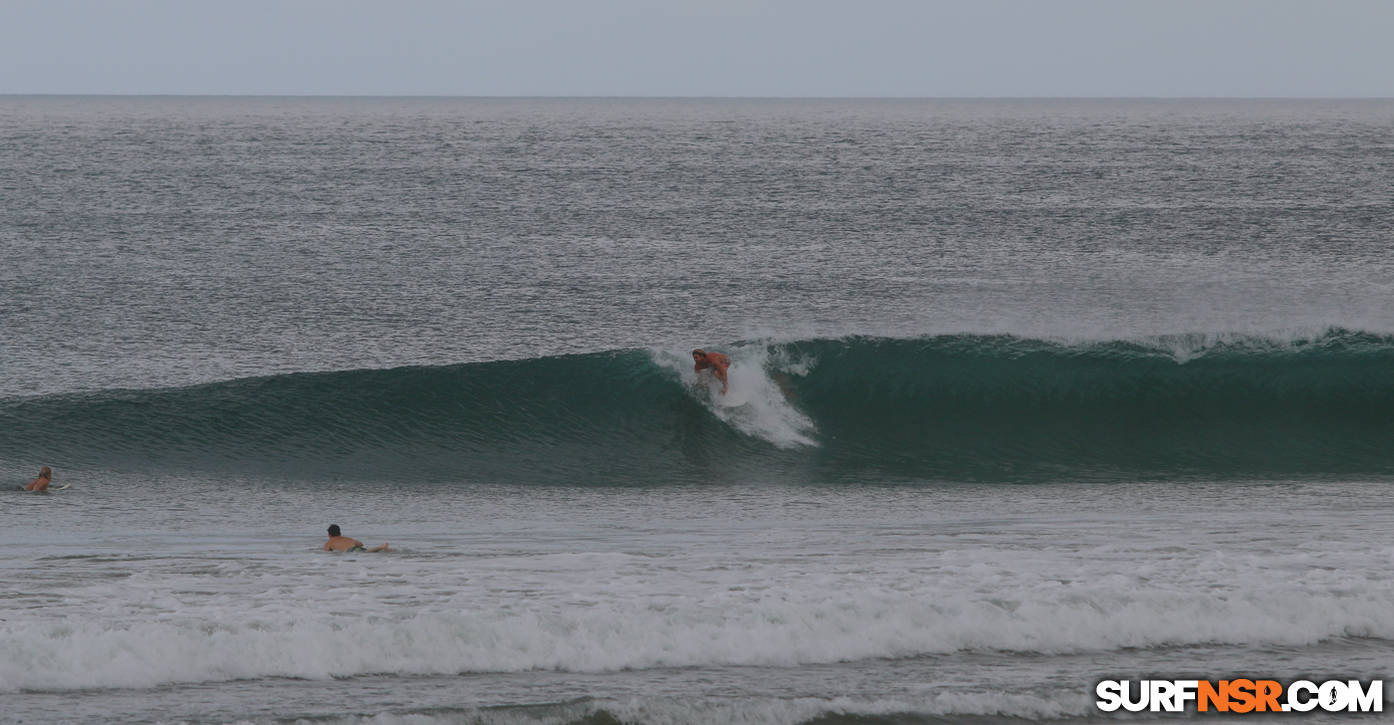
(1025, 395)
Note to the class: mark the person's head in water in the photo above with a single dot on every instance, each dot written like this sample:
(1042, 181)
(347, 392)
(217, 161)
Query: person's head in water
(334, 530)
(699, 354)
(45, 472)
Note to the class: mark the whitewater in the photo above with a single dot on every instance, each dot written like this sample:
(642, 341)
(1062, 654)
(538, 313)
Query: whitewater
(1025, 395)
(945, 408)
(677, 593)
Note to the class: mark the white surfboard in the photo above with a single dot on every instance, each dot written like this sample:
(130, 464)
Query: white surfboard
(732, 398)
(50, 489)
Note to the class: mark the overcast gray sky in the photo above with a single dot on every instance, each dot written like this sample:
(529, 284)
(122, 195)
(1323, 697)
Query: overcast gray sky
(701, 47)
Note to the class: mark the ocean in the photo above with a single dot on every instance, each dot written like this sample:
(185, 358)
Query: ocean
(1026, 395)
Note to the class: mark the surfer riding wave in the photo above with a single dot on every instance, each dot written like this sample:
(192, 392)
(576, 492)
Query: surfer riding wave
(714, 361)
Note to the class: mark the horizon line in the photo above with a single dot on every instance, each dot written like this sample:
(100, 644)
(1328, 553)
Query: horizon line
(6, 94)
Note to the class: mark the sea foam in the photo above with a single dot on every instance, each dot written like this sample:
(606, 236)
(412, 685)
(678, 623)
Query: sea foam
(617, 612)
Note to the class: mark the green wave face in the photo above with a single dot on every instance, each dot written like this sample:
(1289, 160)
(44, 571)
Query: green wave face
(955, 408)
(1002, 408)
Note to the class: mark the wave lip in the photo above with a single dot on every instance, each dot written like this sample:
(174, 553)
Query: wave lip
(955, 407)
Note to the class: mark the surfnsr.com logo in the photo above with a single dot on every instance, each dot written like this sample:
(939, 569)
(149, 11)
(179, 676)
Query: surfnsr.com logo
(1240, 695)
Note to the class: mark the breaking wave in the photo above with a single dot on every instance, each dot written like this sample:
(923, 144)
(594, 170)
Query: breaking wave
(956, 407)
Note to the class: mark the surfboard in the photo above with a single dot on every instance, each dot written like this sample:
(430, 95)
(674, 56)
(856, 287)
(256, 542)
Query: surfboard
(50, 489)
(732, 398)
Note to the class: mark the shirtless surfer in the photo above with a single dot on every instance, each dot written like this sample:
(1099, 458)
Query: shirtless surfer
(40, 483)
(718, 363)
(339, 542)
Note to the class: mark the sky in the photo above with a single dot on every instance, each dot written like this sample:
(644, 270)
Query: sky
(741, 48)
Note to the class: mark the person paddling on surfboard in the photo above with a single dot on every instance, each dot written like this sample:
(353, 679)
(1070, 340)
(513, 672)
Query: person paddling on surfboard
(40, 483)
(339, 542)
(717, 362)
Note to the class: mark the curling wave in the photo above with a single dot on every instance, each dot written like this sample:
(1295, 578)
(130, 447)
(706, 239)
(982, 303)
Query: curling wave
(958, 407)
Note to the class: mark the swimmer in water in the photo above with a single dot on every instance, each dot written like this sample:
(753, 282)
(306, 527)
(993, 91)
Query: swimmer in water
(40, 483)
(338, 542)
